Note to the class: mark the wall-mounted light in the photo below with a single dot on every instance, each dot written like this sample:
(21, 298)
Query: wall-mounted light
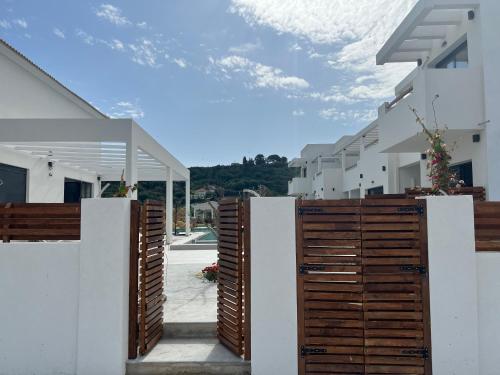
(419, 62)
(384, 168)
(423, 156)
(50, 165)
(373, 182)
(471, 15)
(359, 184)
(476, 138)
(361, 175)
(333, 189)
(444, 44)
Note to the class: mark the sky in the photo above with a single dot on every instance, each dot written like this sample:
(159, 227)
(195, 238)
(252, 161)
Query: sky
(215, 80)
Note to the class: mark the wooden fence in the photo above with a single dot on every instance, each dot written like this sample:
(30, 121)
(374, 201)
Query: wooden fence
(147, 276)
(233, 296)
(362, 287)
(487, 226)
(39, 221)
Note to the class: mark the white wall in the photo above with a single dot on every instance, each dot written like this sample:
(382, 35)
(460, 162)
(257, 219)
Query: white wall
(23, 94)
(39, 308)
(453, 285)
(488, 288)
(274, 291)
(42, 188)
(64, 306)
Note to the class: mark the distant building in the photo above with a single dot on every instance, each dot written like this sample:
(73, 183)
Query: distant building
(204, 211)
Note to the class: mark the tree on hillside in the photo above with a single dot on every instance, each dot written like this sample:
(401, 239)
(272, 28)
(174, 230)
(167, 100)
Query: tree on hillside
(260, 159)
(274, 159)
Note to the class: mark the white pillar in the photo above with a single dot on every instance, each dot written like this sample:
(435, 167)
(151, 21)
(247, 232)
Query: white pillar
(102, 338)
(188, 206)
(274, 291)
(453, 285)
(169, 205)
(131, 165)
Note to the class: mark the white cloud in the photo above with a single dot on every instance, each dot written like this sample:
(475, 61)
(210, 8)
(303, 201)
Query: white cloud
(145, 52)
(59, 33)
(112, 14)
(258, 75)
(85, 37)
(126, 109)
(142, 25)
(5, 24)
(357, 28)
(357, 116)
(298, 113)
(180, 62)
(114, 44)
(245, 48)
(295, 47)
(21, 22)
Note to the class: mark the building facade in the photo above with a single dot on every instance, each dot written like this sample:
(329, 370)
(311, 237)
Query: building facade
(453, 46)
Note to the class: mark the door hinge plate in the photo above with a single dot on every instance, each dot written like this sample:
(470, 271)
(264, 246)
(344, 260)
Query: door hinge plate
(304, 268)
(311, 350)
(419, 269)
(424, 352)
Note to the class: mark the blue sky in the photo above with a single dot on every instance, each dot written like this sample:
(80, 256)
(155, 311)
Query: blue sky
(214, 80)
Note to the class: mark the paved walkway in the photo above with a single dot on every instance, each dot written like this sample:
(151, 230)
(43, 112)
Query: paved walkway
(189, 298)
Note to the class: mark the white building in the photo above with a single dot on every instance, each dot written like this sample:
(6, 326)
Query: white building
(55, 147)
(455, 48)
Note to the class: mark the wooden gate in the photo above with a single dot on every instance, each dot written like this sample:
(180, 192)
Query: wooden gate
(147, 276)
(233, 296)
(362, 287)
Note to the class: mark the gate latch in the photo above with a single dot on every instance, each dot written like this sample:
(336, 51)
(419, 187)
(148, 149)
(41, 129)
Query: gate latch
(420, 269)
(303, 268)
(310, 350)
(424, 352)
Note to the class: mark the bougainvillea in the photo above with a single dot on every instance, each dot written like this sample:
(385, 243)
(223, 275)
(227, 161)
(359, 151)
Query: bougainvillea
(438, 158)
(210, 273)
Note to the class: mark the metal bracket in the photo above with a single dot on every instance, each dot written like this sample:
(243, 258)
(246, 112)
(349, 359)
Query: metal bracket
(309, 210)
(420, 210)
(310, 350)
(424, 352)
(303, 268)
(420, 269)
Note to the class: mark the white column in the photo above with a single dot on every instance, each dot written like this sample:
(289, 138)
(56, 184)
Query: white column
(169, 205)
(491, 56)
(104, 277)
(274, 291)
(131, 165)
(188, 206)
(453, 285)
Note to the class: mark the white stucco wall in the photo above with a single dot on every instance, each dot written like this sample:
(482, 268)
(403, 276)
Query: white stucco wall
(42, 188)
(274, 296)
(39, 308)
(23, 94)
(488, 287)
(64, 306)
(453, 286)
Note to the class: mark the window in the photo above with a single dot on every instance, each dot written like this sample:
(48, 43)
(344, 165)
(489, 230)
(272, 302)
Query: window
(457, 59)
(375, 191)
(464, 172)
(75, 191)
(12, 184)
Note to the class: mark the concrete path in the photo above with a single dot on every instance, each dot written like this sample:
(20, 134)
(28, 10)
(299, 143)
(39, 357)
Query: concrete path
(190, 299)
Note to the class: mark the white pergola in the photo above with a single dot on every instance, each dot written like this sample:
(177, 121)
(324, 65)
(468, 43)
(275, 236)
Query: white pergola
(106, 147)
(425, 27)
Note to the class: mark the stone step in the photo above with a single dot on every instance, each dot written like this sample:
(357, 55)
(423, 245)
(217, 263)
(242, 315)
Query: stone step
(189, 357)
(189, 330)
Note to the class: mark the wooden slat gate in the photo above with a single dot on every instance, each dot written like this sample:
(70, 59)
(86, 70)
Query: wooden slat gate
(147, 276)
(362, 287)
(233, 296)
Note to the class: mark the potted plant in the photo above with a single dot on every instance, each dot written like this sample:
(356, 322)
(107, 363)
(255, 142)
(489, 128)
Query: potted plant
(124, 189)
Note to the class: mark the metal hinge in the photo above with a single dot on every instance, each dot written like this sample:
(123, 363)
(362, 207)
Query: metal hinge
(424, 352)
(310, 350)
(309, 210)
(420, 269)
(303, 268)
(411, 209)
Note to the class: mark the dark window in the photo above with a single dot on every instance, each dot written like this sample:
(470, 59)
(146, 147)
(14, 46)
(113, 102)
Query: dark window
(464, 172)
(375, 191)
(12, 184)
(459, 58)
(75, 190)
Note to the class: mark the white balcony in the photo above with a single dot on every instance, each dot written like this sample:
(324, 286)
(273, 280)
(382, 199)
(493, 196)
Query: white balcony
(459, 107)
(299, 186)
(328, 184)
